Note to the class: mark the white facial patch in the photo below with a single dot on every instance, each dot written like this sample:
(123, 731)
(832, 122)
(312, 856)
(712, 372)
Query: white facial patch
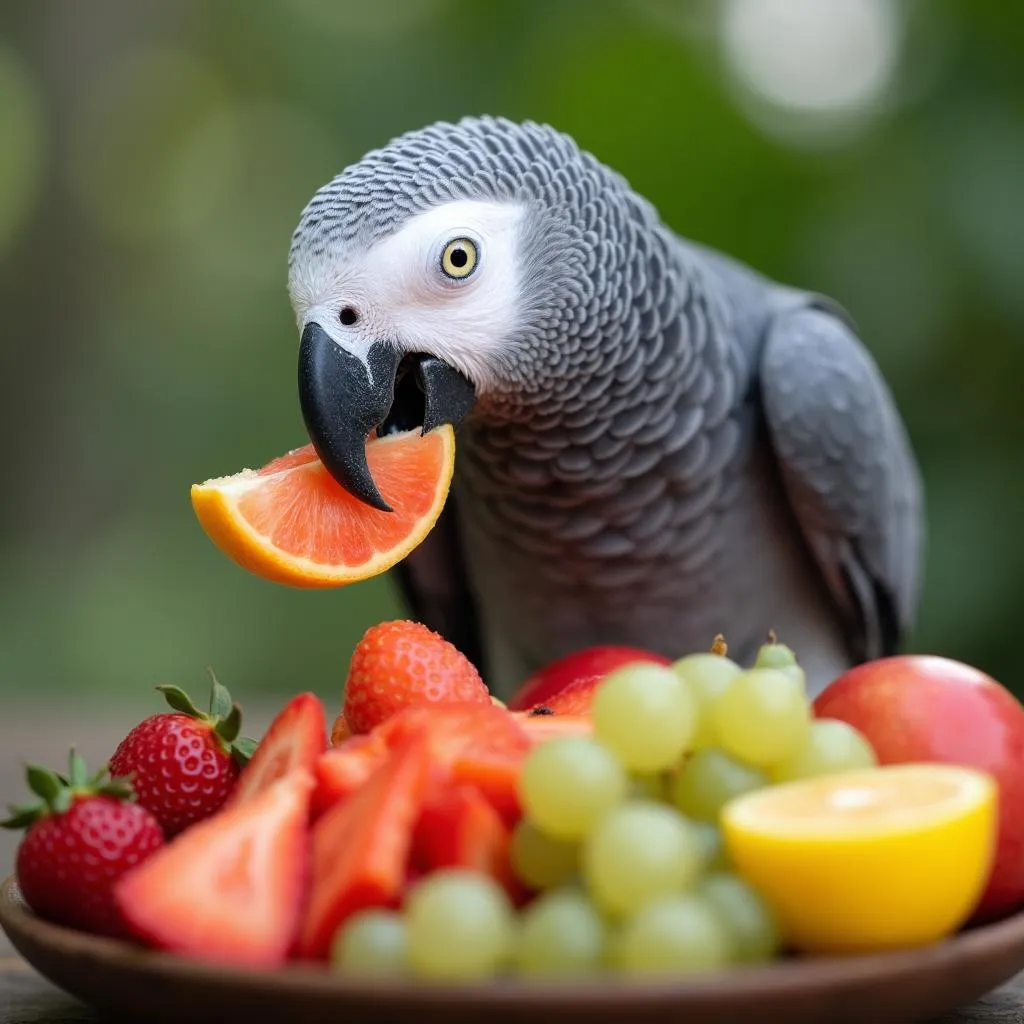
(401, 293)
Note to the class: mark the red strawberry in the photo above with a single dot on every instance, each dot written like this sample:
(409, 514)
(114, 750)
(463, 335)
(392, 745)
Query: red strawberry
(83, 835)
(458, 828)
(592, 663)
(295, 739)
(230, 889)
(479, 743)
(360, 847)
(183, 763)
(343, 769)
(401, 664)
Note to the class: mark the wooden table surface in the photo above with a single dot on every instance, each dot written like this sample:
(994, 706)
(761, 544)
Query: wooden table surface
(26, 998)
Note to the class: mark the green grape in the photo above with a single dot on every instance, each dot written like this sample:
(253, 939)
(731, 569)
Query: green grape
(645, 715)
(707, 676)
(568, 783)
(373, 942)
(748, 920)
(677, 934)
(782, 659)
(540, 861)
(763, 717)
(638, 852)
(648, 787)
(460, 925)
(831, 746)
(709, 780)
(712, 846)
(560, 933)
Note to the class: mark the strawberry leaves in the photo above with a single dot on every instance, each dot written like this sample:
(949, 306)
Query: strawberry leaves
(224, 717)
(56, 793)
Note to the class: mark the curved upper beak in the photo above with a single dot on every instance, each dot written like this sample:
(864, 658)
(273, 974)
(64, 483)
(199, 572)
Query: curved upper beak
(345, 399)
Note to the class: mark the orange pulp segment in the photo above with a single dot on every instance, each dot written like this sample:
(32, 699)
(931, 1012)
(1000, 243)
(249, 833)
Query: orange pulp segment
(292, 523)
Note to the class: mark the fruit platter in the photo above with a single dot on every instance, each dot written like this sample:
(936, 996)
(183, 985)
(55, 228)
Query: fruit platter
(626, 837)
(650, 840)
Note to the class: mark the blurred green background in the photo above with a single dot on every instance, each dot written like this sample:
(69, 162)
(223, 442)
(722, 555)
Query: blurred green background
(155, 155)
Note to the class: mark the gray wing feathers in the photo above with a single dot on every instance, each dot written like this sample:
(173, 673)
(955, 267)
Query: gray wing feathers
(849, 473)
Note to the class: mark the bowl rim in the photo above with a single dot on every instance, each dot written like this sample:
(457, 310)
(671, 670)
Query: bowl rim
(736, 982)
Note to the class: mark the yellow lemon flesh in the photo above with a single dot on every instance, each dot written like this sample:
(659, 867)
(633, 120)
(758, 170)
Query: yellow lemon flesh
(869, 860)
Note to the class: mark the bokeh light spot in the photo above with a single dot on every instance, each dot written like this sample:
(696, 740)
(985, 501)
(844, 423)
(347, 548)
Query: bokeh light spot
(830, 60)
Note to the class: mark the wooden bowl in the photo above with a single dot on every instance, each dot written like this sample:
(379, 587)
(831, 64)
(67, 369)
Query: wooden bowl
(892, 988)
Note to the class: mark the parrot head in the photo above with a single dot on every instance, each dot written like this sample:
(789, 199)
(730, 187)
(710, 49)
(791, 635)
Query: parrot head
(458, 267)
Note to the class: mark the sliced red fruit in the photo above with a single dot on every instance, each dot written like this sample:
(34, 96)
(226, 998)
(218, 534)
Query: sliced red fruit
(576, 699)
(342, 770)
(228, 890)
(592, 663)
(542, 727)
(340, 731)
(360, 847)
(294, 741)
(495, 775)
(458, 828)
(478, 743)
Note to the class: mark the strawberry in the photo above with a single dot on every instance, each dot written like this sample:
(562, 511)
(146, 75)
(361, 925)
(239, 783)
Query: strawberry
(343, 769)
(591, 663)
(83, 835)
(184, 764)
(478, 743)
(402, 664)
(229, 890)
(360, 847)
(295, 739)
(458, 828)
(340, 731)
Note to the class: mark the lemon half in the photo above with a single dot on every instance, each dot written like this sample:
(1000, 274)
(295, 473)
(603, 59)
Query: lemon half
(869, 860)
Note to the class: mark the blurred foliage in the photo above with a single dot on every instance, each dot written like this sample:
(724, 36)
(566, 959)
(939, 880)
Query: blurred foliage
(154, 157)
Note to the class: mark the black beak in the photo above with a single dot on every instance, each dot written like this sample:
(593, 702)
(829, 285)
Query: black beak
(344, 400)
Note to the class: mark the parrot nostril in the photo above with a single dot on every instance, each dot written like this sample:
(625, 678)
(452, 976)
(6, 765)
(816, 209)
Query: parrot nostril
(348, 316)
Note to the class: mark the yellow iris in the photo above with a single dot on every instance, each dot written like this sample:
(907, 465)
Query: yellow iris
(459, 258)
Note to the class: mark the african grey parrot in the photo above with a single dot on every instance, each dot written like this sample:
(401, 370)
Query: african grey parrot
(657, 444)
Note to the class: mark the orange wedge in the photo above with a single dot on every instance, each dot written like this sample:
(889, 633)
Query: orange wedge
(291, 523)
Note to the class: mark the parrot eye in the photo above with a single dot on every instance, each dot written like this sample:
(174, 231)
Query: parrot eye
(459, 258)
(348, 316)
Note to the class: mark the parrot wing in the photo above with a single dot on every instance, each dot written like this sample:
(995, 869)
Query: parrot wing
(434, 586)
(849, 473)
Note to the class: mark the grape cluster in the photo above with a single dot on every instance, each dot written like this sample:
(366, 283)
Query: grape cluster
(620, 835)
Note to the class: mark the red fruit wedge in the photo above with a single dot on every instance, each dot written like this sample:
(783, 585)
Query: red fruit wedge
(343, 769)
(541, 728)
(576, 699)
(295, 739)
(228, 890)
(592, 663)
(291, 523)
(459, 828)
(360, 847)
(478, 743)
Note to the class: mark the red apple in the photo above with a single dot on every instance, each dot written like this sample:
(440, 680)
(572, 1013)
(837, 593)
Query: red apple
(592, 663)
(925, 708)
